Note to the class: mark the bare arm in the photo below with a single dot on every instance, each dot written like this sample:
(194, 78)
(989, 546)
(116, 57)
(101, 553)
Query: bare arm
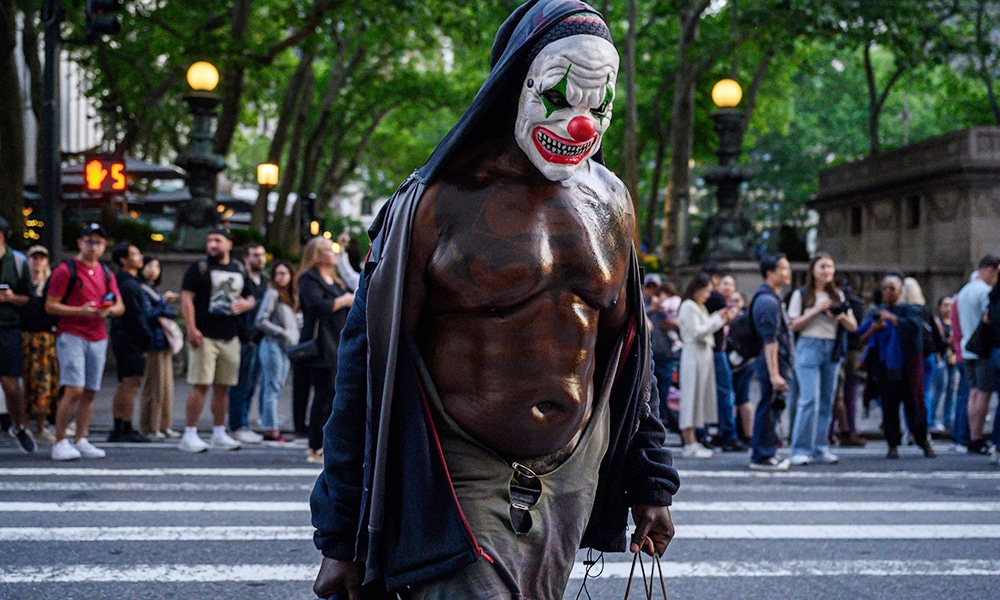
(56, 308)
(773, 370)
(187, 311)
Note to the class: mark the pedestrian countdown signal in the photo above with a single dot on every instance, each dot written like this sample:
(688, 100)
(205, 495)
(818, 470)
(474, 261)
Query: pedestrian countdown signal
(103, 175)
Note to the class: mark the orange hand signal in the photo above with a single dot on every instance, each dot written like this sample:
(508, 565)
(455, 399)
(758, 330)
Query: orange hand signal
(95, 175)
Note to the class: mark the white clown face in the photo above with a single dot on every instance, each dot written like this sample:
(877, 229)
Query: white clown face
(565, 105)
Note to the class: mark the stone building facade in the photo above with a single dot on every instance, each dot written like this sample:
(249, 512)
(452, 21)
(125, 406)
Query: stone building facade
(930, 210)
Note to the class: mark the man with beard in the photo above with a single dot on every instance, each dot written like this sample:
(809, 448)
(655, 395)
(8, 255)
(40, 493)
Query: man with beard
(213, 295)
(493, 410)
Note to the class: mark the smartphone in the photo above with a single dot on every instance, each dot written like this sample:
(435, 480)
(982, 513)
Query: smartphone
(4, 287)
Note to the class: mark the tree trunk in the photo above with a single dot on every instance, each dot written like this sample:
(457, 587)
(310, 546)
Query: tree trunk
(289, 109)
(631, 113)
(873, 141)
(232, 79)
(11, 128)
(284, 228)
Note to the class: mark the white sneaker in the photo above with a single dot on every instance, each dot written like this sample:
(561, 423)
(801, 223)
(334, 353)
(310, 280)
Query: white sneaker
(158, 435)
(192, 443)
(170, 433)
(696, 451)
(800, 460)
(63, 450)
(46, 436)
(222, 441)
(996, 455)
(248, 436)
(827, 458)
(88, 450)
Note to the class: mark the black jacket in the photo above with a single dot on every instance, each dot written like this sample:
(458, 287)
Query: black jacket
(318, 318)
(133, 326)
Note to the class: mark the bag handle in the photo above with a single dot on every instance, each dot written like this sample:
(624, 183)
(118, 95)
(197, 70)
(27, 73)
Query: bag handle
(655, 570)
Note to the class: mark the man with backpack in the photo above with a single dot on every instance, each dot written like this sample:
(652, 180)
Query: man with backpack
(14, 283)
(82, 293)
(776, 365)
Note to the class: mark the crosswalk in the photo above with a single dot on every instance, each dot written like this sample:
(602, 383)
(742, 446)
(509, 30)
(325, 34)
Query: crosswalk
(243, 532)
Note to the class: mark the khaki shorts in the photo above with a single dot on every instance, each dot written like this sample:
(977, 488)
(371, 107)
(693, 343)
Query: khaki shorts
(216, 362)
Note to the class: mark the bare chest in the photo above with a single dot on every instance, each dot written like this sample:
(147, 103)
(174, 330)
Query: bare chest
(504, 245)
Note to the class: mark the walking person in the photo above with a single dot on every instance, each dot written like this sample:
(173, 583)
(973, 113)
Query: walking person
(697, 370)
(324, 301)
(156, 398)
(213, 296)
(893, 330)
(241, 394)
(821, 315)
(38, 340)
(993, 320)
(775, 366)
(131, 337)
(82, 294)
(14, 284)
(276, 320)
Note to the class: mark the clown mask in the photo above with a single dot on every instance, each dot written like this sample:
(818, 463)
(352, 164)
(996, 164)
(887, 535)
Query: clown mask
(565, 104)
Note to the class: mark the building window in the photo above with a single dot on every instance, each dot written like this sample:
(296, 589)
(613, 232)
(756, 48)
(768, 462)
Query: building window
(367, 203)
(855, 220)
(913, 212)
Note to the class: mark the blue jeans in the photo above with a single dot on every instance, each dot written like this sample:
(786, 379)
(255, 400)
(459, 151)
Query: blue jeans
(930, 368)
(241, 394)
(724, 398)
(274, 366)
(960, 429)
(765, 434)
(942, 386)
(817, 379)
(664, 371)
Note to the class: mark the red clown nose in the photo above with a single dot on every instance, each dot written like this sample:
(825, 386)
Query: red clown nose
(581, 128)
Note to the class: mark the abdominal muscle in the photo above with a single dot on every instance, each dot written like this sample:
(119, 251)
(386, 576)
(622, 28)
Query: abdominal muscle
(519, 382)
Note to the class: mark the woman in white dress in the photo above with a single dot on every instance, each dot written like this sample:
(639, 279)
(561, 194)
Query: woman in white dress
(697, 370)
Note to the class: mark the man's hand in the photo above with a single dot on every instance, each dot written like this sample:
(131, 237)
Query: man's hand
(6, 295)
(653, 529)
(195, 337)
(339, 577)
(778, 383)
(241, 305)
(170, 296)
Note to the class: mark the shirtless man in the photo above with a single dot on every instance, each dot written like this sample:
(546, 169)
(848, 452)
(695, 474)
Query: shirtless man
(521, 316)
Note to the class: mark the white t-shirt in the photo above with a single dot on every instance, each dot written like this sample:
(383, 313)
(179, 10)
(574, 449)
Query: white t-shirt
(821, 326)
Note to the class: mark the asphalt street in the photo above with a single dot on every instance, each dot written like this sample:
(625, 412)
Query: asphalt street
(151, 522)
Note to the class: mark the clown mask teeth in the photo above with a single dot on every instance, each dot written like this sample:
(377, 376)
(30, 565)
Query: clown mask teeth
(558, 150)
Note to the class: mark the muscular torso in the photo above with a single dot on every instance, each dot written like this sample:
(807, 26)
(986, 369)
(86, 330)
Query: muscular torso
(518, 293)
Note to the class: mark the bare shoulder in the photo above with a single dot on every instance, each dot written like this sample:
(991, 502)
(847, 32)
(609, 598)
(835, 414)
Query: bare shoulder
(605, 184)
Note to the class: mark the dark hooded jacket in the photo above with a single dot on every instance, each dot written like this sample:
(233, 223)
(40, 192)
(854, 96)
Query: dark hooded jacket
(384, 496)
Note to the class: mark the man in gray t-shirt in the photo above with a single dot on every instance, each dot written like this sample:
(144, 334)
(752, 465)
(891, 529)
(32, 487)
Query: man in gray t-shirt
(973, 300)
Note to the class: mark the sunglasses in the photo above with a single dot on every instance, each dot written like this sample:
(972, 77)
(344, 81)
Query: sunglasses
(525, 490)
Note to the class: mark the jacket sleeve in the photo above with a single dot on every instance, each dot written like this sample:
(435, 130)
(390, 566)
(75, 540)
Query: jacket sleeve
(263, 319)
(336, 497)
(137, 309)
(347, 272)
(312, 298)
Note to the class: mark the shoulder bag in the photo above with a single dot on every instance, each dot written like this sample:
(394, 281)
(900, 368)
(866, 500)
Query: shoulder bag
(307, 350)
(981, 340)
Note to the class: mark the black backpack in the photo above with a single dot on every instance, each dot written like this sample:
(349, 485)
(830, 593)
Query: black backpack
(743, 338)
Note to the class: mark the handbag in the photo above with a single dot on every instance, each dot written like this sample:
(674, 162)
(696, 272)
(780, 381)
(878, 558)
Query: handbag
(981, 340)
(305, 351)
(172, 332)
(647, 584)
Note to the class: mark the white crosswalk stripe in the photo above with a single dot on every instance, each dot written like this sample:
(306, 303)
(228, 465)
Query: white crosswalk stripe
(181, 509)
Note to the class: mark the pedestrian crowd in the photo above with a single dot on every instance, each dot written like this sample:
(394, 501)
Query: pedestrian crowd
(817, 352)
(245, 329)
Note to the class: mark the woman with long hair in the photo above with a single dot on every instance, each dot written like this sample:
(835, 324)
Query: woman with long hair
(821, 316)
(697, 370)
(276, 320)
(325, 301)
(156, 397)
(38, 342)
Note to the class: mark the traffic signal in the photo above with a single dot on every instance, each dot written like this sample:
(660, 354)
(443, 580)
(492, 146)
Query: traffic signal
(104, 175)
(102, 18)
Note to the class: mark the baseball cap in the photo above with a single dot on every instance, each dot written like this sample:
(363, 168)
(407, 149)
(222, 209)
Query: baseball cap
(93, 229)
(652, 278)
(223, 231)
(37, 249)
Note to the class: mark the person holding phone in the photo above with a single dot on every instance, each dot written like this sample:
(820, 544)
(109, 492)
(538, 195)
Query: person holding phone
(14, 283)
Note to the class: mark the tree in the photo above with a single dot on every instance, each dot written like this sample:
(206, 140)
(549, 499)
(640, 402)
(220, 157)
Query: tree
(11, 126)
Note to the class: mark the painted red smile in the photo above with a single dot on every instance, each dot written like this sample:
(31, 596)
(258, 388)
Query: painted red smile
(559, 150)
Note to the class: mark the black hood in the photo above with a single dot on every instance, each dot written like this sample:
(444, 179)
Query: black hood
(508, 67)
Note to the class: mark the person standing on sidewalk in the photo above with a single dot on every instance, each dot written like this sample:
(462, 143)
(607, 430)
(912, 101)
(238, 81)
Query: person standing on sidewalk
(776, 364)
(38, 340)
(214, 294)
(14, 284)
(131, 337)
(276, 319)
(723, 288)
(241, 394)
(973, 300)
(82, 293)
(156, 398)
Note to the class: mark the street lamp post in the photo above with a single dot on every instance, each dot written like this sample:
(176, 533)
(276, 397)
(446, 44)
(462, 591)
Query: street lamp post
(200, 214)
(728, 230)
(267, 178)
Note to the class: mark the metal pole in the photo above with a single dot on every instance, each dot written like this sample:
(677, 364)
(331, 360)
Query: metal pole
(51, 167)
